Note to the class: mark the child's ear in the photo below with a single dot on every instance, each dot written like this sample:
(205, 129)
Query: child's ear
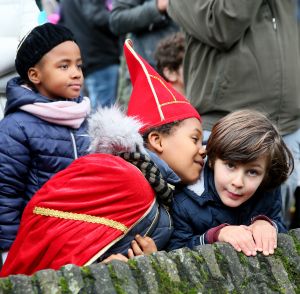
(33, 75)
(155, 142)
(171, 75)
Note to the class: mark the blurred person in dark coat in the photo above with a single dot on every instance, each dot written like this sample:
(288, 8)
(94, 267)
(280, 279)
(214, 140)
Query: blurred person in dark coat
(245, 54)
(146, 22)
(89, 21)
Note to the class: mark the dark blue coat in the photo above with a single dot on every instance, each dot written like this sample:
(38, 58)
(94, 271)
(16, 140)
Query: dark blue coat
(193, 215)
(31, 151)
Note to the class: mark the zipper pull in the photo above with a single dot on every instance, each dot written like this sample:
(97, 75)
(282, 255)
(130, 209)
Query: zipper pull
(274, 23)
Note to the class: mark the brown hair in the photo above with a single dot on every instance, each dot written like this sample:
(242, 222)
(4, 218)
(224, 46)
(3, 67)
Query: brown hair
(169, 53)
(245, 135)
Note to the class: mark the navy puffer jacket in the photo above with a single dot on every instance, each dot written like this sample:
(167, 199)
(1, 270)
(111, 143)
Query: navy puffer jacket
(195, 213)
(31, 151)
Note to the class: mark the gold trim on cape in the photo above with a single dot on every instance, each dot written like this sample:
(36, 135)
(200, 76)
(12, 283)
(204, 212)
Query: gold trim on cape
(108, 246)
(79, 217)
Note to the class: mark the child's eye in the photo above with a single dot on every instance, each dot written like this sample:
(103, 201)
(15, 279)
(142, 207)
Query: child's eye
(63, 66)
(229, 165)
(253, 172)
(195, 139)
(79, 66)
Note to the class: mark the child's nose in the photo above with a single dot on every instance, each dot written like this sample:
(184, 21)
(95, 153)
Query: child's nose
(238, 179)
(76, 72)
(202, 151)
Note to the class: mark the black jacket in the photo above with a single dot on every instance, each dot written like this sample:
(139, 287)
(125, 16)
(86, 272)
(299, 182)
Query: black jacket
(146, 24)
(88, 20)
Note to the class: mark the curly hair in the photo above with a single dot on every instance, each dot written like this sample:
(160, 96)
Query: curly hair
(169, 53)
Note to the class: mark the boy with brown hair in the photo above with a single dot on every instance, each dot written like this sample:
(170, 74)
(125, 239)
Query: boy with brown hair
(237, 199)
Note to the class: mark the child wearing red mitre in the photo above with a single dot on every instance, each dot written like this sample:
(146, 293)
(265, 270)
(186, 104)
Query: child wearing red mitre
(96, 207)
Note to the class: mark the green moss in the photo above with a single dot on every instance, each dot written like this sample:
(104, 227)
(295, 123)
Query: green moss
(86, 271)
(296, 242)
(219, 256)
(267, 271)
(201, 266)
(132, 264)
(63, 284)
(223, 264)
(293, 273)
(245, 285)
(136, 272)
(88, 278)
(225, 269)
(35, 283)
(116, 282)
(166, 285)
(5, 285)
(197, 257)
(244, 260)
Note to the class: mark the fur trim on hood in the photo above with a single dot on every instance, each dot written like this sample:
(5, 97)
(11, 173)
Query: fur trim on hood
(112, 132)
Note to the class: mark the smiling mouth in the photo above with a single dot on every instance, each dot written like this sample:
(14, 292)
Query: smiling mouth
(199, 162)
(234, 195)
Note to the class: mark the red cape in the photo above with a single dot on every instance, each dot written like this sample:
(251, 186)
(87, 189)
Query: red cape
(78, 214)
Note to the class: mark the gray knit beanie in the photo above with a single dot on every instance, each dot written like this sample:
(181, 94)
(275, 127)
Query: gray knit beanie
(37, 43)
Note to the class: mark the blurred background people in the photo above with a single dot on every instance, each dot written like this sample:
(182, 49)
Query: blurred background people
(169, 58)
(146, 22)
(51, 10)
(89, 21)
(244, 54)
(17, 17)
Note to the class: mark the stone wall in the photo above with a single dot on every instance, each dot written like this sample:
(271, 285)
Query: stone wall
(209, 269)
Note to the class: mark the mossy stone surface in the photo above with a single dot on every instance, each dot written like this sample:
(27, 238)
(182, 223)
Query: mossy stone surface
(213, 269)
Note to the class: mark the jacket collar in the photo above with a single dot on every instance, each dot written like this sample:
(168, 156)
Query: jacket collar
(204, 189)
(18, 95)
(168, 174)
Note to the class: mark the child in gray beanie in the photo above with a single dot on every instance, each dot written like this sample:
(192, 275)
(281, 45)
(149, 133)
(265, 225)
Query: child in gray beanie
(44, 128)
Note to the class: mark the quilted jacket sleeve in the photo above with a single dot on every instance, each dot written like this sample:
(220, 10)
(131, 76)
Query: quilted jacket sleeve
(14, 162)
(183, 234)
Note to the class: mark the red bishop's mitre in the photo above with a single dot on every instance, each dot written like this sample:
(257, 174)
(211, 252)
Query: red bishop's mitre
(153, 100)
(79, 214)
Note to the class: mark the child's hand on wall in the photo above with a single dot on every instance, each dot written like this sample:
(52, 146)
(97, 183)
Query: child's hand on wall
(240, 237)
(139, 246)
(265, 236)
(142, 246)
(117, 256)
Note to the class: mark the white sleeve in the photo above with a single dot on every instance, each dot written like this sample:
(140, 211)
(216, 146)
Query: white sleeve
(18, 18)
